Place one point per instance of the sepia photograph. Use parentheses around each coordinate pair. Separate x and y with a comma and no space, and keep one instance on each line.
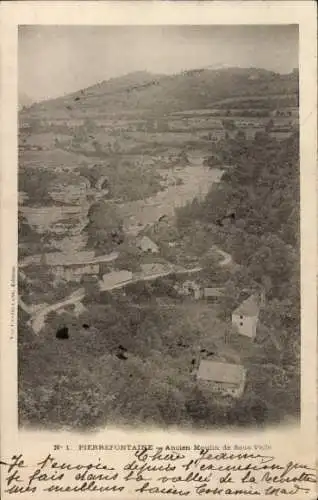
(158,227)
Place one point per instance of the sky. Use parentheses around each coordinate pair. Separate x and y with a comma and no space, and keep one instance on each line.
(57,60)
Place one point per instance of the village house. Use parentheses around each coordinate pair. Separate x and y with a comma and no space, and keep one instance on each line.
(152,268)
(71,267)
(146,245)
(76,271)
(245,316)
(292,111)
(115,279)
(222,378)
(190,288)
(213,294)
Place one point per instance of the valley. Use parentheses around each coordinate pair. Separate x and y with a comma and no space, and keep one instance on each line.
(150,208)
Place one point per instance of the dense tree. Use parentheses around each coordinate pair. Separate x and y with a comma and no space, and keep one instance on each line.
(105,226)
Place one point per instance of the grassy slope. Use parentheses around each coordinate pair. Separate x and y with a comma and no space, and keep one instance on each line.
(189,90)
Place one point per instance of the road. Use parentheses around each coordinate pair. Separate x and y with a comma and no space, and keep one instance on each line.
(227,258)
(37,320)
(38,315)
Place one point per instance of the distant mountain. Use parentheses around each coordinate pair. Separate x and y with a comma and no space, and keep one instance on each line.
(144,92)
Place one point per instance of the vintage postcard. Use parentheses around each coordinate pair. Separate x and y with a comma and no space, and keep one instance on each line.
(158,266)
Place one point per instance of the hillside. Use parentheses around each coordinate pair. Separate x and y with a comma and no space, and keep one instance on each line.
(218,175)
(143,92)
(161,332)
(254,215)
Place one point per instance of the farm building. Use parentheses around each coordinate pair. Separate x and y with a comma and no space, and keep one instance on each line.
(76,271)
(115,279)
(152,268)
(213,294)
(292,111)
(245,316)
(71,267)
(191,288)
(147,245)
(223,378)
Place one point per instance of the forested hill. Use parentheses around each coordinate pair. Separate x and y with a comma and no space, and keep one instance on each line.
(254,214)
(201,88)
(254,211)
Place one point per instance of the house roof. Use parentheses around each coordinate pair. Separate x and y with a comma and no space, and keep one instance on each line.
(153,267)
(249,307)
(145,241)
(118,275)
(115,279)
(213,292)
(221,372)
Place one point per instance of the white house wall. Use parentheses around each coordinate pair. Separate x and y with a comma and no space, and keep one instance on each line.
(246,325)
(225,389)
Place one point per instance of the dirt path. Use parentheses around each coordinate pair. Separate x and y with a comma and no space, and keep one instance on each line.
(38,315)
(37,320)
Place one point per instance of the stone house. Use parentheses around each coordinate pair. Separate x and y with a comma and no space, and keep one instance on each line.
(213,294)
(71,267)
(76,271)
(222,378)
